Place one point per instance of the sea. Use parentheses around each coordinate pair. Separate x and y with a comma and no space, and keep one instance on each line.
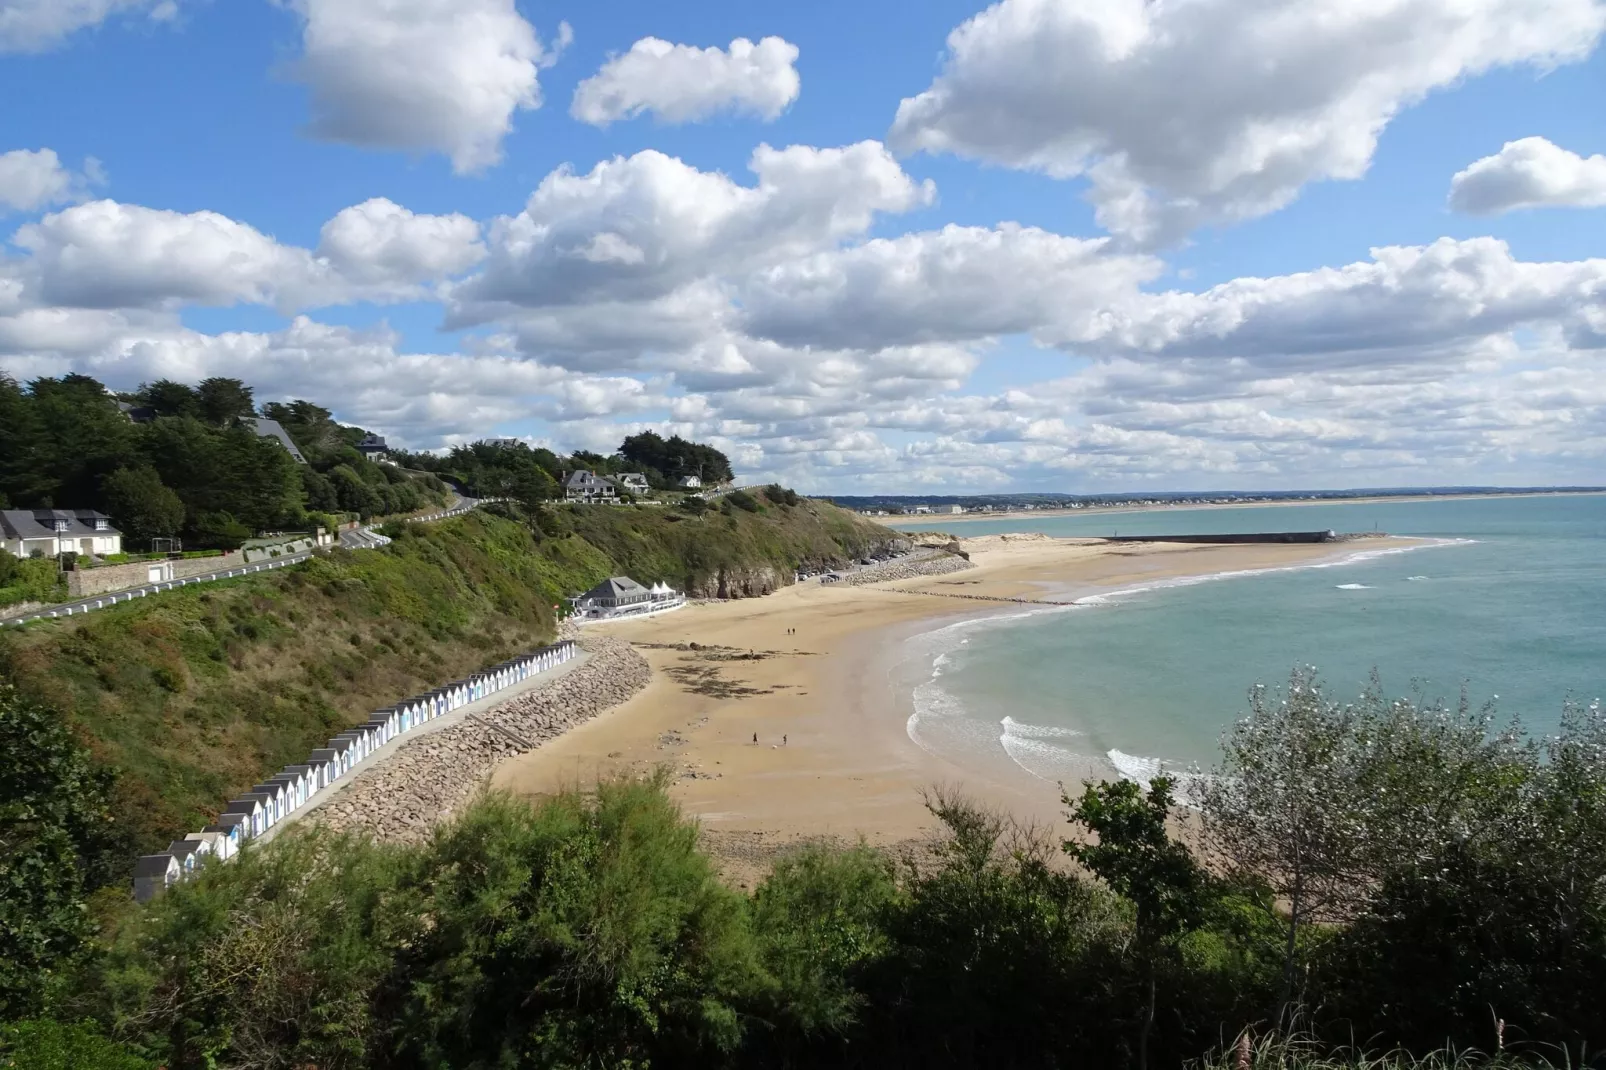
(1503,600)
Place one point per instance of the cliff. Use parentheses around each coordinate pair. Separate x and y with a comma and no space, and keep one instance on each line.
(192,696)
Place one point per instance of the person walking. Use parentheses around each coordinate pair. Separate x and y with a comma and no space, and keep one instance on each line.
(755,739)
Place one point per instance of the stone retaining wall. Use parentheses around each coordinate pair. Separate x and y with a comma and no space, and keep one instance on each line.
(88,582)
(432,777)
(939,564)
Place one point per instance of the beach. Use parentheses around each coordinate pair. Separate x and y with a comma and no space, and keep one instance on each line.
(820,675)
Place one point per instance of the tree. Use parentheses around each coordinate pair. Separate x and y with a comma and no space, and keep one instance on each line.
(168,398)
(1286,807)
(1140,862)
(223,400)
(82,437)
(141,506)
(54,846)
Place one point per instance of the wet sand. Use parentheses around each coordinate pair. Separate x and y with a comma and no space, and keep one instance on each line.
(817,673)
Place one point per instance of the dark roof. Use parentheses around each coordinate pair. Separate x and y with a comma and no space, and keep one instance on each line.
(583,477)
(372,443)
(154,865)
(41,523)
(266,428)
(616,587)
(139,414)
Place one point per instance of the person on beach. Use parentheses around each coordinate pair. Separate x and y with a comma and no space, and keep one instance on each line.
(755,739)
(783,740)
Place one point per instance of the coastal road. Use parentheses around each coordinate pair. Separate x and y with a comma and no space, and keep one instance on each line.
(362,538)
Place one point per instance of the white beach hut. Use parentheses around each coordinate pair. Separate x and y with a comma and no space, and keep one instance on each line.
(153,874)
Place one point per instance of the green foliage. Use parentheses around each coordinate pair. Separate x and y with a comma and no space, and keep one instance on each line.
(33,579)
(43,1044)
(743,500)
(779,495)
(141,507)
(54,825)
(666,461)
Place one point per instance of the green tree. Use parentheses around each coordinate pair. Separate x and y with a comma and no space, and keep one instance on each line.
(167,398)
(141,506)
(54,842)
(24,481)
(82,437)
(1137,858)
(43,1044)
(222,401)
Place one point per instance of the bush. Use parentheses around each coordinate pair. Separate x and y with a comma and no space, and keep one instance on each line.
(34,579)
(42,1044)
(743,500)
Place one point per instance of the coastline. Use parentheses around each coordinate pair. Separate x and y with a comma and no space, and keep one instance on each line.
(839,692)
(898,524)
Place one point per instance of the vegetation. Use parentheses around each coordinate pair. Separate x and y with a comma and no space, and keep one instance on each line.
(191,468)
(591,930)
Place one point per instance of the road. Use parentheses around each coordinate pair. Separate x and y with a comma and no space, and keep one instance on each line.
(361,538)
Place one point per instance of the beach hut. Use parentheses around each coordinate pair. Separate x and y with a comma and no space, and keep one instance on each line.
(343,748)
(216,843)
(230,835)
(153,874)
(251,808)
(325,763)
(277,798)
(191,854)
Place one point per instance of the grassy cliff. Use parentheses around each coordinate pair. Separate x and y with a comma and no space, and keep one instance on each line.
(194,695)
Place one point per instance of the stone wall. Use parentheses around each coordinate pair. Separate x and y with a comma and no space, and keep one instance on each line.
(86,582)
(909,568)
(430,778)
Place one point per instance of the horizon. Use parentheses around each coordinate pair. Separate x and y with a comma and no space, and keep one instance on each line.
(850,246)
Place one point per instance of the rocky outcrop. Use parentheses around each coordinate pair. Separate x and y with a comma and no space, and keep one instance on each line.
(430,778)
(739,583)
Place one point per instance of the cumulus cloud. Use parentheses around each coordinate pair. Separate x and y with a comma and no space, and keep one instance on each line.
(31,179)
(683,83)
(1530,173)
(380,243)
(1213,111)
(37,25)
(420,75)
(109,255)
(637,228)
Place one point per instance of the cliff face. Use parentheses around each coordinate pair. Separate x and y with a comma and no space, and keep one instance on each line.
(739,582)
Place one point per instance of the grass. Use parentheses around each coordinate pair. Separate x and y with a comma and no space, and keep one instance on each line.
(1276,1052)
(195,694)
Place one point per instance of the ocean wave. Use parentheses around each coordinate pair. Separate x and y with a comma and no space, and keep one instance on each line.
(1353,587)
(1187,783)
(1022,730)
(1415,579)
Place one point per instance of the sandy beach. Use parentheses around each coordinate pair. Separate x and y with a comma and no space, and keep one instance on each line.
(816,673)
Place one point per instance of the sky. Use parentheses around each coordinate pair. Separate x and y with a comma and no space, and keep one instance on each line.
(1049,245)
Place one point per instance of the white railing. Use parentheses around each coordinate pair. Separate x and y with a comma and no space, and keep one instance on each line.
(282,796)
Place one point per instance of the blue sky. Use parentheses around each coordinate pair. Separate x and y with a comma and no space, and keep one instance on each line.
(1073,246)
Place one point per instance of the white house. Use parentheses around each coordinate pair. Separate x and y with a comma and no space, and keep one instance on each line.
(690,482)
(373,447)
(634,483)
(583,485)
(621,596)
(153,874)
(48,532)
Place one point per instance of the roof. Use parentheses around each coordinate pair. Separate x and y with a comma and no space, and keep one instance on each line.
(266,428)
(40,523)
(154,865)
(616,587)
(372,443)
(583,477)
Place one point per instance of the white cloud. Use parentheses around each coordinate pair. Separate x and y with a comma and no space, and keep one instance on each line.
(1530,173)
(420,75)
(638,228)
(108,255)
(1213,111)
(683,84)
(379,243)
(31,179)
(36,25)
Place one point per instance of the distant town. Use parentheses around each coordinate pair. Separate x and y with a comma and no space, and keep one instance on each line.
(955,505)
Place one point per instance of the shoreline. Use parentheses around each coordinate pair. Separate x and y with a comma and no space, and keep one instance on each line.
(898,524)
(825,674)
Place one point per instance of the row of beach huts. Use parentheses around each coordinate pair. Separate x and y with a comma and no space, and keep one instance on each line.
(280,796)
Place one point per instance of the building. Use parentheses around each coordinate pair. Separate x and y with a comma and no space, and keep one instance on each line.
(690,482)
(373,447)
(137,414)
(633,483)
(153,874)
(48,532)
(621,596)
(266,428)
(953,509)
(583,485)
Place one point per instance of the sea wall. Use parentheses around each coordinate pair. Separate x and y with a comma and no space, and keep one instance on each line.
(1235,539)
(432,777)
(910,568)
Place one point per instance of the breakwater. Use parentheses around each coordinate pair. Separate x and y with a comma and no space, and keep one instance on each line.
(1239,539)
(282,796)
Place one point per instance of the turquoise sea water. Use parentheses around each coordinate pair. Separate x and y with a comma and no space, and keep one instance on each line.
(1509,600)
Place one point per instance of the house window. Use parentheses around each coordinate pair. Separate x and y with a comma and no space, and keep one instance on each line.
(61,525)
(100,525)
